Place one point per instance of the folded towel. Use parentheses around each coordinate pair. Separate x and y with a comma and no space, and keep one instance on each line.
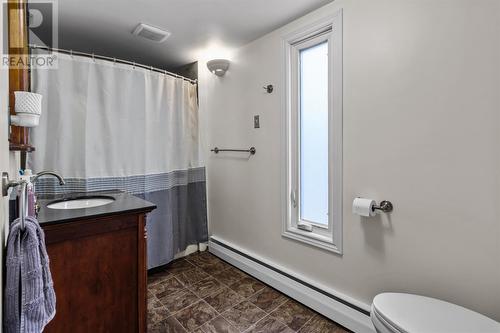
(29,298)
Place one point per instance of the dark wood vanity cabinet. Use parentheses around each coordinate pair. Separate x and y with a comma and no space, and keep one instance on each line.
(100,274)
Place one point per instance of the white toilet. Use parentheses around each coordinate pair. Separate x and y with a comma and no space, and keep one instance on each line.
(407,313)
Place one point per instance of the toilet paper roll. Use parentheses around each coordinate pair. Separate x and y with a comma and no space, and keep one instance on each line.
(363,207)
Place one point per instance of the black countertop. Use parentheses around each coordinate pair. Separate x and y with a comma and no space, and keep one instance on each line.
(123,203)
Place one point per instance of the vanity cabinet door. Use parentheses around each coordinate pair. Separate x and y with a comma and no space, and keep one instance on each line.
(99,271)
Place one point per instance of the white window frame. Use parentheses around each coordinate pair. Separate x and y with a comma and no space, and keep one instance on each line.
(330,237)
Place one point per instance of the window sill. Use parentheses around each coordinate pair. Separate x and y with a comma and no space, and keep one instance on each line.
(310,238)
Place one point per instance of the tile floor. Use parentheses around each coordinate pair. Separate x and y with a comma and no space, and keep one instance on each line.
(203,294)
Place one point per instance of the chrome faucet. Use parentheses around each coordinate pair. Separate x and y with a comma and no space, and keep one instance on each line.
(41,174)
(48,173)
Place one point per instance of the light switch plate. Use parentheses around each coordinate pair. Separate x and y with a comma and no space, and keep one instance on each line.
(256,121)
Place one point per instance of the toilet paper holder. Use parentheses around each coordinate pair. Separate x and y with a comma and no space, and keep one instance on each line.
(385,206)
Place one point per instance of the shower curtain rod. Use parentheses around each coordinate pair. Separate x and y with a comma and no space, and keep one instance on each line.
(116,60)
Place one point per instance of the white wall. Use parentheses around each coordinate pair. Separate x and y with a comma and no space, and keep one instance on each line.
(9,161)
(4,146)
(421,128)
(4,163)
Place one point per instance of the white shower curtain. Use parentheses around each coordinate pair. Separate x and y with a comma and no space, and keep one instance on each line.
(106,125)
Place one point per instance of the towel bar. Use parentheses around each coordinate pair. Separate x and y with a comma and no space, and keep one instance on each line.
(252,150)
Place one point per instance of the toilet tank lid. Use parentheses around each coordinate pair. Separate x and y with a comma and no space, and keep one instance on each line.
(414,313)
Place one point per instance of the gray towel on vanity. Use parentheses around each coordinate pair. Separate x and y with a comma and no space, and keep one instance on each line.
(29,297)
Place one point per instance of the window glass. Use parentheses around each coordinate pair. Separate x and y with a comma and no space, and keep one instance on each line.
(314,134)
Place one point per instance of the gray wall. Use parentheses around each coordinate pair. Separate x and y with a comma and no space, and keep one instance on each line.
(421,128)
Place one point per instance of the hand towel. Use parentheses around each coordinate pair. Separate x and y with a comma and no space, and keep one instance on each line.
(29,301)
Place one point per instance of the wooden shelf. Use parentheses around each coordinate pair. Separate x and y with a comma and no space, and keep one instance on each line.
(21,147)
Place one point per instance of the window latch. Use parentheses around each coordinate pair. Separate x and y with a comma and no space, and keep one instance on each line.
(305,226)
(293,199)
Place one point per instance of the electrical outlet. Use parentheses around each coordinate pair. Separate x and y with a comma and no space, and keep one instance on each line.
(256,121)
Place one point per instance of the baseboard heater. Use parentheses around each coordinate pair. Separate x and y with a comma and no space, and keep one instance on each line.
(349,313)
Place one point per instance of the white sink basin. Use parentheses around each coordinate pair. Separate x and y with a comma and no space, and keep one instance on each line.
(80,203)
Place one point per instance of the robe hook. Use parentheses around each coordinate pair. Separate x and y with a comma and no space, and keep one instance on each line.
(269,88)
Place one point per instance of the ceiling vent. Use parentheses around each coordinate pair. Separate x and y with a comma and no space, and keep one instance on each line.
(152,33)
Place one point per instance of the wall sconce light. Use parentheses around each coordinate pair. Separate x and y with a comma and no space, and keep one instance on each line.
(218,66)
